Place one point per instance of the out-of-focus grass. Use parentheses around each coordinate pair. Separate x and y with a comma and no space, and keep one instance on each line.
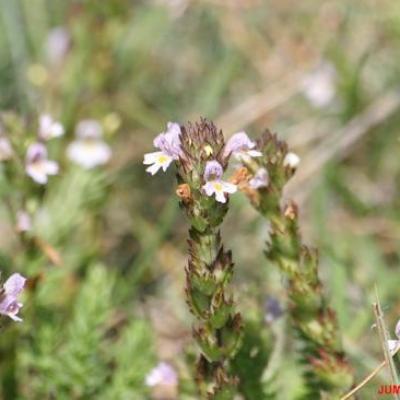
(135,65)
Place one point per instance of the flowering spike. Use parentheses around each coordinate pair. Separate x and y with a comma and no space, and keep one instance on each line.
(327,371)
(197,150)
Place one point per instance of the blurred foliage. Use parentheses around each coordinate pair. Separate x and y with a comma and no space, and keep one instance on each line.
(93,325)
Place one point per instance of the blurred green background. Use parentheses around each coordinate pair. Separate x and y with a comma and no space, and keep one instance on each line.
(323,75)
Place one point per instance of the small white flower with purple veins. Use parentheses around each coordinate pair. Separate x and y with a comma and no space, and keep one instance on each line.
(89,150)
(240,145)
(214,184)
(9,304)
(291,160)
(260,179)
(169,143)
(6,151)
(37,166)
(163,374)
(48,128)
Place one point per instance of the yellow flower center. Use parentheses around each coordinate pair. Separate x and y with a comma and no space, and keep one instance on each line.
(217,186)
(162,159)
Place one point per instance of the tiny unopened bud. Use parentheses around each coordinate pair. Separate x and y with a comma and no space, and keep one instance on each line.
(291,160)
(183,192)
(240,176)
(291,211)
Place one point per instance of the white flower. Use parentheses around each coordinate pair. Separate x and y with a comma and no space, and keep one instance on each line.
(291,160)
(319,85)
(37,166)
(89,150)
(169,143)
(260,179)
(156,161)
(241,147)
(6,151)
(11,290)
(214,184)
(48,128)
(219,188)
(163,374)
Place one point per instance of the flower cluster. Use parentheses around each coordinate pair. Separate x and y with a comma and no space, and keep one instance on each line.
(88,150)
(9,293)
(239,146)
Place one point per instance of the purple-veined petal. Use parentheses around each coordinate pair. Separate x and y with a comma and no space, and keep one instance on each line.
(36,152)
(238,142)
(213,170)
(14,284)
